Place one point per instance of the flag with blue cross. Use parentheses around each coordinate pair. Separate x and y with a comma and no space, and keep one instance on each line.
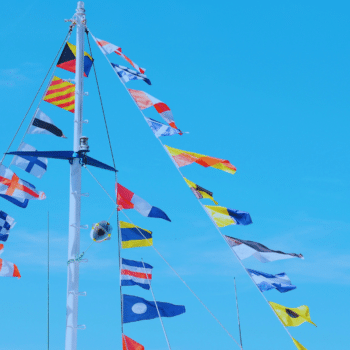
(36,166)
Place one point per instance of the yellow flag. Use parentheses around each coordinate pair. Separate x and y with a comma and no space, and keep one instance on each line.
(298,345)
(199,191)
(292,317)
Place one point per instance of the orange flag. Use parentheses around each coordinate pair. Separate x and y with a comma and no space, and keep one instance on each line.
(129,344)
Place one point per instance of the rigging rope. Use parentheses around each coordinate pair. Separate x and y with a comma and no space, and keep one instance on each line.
(162,257)
(99,93)
(37,93)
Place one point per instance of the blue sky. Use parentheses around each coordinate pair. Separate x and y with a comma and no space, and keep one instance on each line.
(264,85)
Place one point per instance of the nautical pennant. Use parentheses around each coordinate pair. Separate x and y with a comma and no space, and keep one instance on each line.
(108,48)
(61,94)
(42,124)
(12,185)
(266,281)
(36,166)
(67,60)
(6,223)
(127,74)
(129,200)
(135,273)
(145,100)
(225,216)
(245,249)
(8,269)
(134,236)
(199,191)
(292,317)
(1,248)
(160,129)
(298,345)
(183,158)
(129,344)
(139,309)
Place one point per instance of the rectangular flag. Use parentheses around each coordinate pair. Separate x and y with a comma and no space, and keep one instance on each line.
(199,191)
(225,216)
(293,316)
(134,236)
(129,344)
(139,309)
(183,158)
(129,200)
(266,281)
(160,129)
(6,223)
(245,249)
(136,273)
(145,100)
(8,269)
(42,124)
(61,94)
(108,48)
(67,60)
(127,74)
(12,185)
(36,166)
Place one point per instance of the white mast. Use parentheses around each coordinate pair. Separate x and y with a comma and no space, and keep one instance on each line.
(75,189)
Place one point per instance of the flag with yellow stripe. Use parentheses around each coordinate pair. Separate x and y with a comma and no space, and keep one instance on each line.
(61,94)
(134,236)
(199,191)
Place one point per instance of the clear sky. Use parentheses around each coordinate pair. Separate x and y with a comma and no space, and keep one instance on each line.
(262,84)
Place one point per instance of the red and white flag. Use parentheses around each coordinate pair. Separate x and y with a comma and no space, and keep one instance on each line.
(108,48)
(8,269)
(11,185)
(1,248)
(129,344)
(145,100)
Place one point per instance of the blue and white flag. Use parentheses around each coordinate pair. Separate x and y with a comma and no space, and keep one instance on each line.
(36,166)
(6,223)
(127,74)
(139,309)
(265,281)
(160,129)
(135,273)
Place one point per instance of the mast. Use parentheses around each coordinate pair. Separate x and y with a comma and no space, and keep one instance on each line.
(75,189)
(239,323)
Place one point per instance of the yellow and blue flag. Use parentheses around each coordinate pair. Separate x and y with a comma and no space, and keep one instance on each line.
(292,317)
(225,216)
(134,236)
(68,59)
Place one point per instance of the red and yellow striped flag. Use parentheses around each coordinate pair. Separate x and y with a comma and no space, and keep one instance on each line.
(183,158)
(61,94)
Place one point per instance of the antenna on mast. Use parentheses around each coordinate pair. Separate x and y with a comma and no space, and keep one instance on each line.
(239,323)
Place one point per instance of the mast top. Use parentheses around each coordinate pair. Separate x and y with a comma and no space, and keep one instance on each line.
(80,7)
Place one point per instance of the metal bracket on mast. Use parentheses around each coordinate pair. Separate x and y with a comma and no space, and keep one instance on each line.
(84,227)
(80,294)
(81,327)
